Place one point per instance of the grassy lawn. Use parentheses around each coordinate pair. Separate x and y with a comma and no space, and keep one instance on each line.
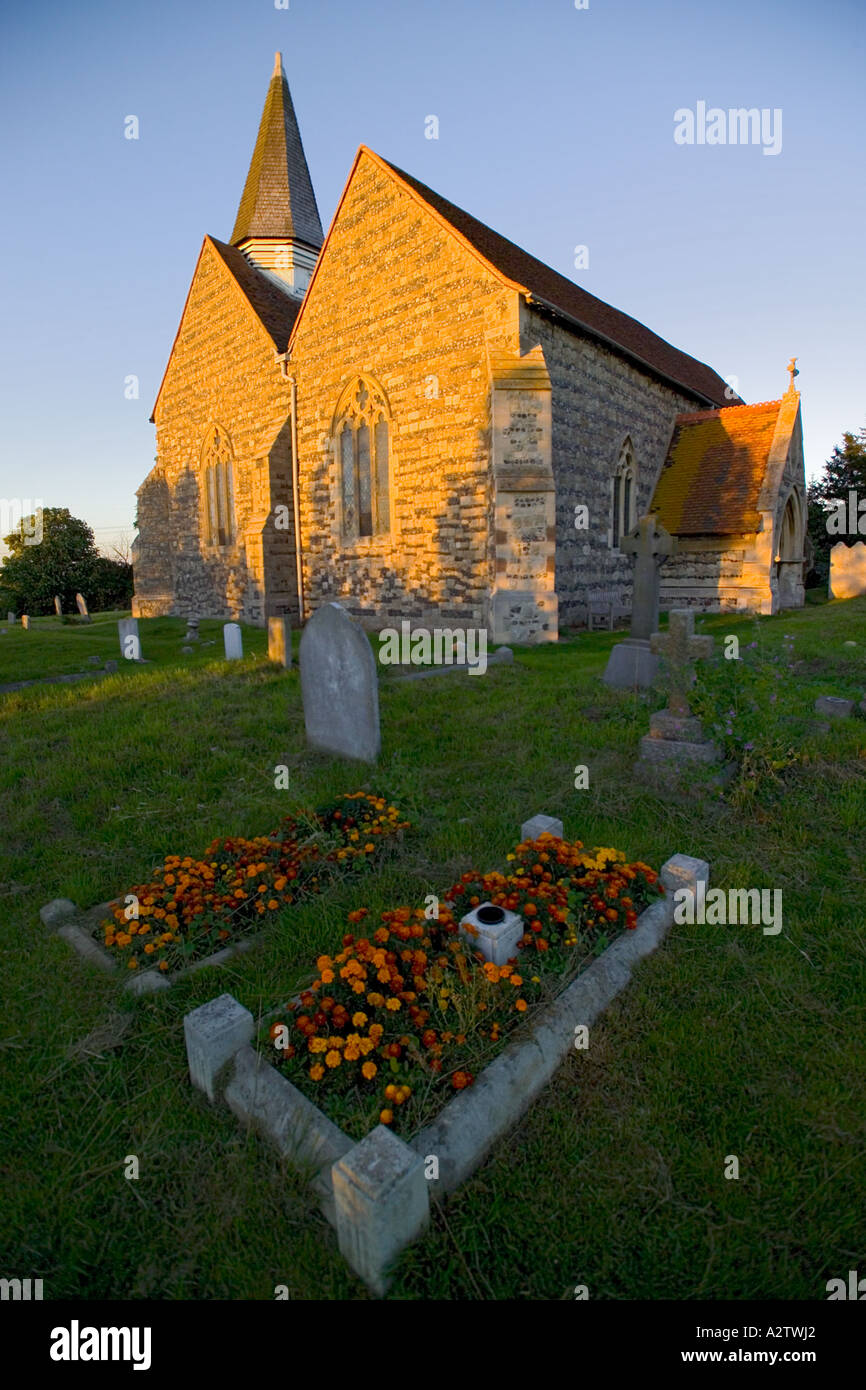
(727,1041)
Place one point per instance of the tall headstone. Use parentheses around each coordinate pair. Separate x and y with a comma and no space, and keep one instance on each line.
(82,607)
(676,738)
(130,645)
(847,570)
(280,641)
(58,606)
(339,686)
(234,642)
(633,662)
(25,621)
(523,604)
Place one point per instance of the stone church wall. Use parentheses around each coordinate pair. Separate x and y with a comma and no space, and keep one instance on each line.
(599,399)
(222,370)
(398,299)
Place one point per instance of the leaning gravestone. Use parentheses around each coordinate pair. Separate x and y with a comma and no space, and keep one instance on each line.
(130,644)
(280,641)
(676,738)
(234,642)
(58,606)
(339,686)
(633,662)
(82,607)
(25,621)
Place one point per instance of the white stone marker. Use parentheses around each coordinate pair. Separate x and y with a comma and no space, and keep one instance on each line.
(234,642)
(339,686)
(25,621)
(541,825)
(130,645)
(82,606)
(214,1033)
(280,641)
(382,1203)
(494,932)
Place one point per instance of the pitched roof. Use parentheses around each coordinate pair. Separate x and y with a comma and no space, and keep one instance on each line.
(554,291)
(278,198)
(276,308)
(716,463)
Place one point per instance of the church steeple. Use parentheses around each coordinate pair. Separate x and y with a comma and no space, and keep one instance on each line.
(278,226)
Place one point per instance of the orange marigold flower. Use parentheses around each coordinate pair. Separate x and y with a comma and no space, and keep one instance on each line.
(359,1019)
(386,1116)
(133,964)
(327,977)
(163,965)
(332,1058)
(393,1005)
(368,1070)
(317,1071)
(520,1005)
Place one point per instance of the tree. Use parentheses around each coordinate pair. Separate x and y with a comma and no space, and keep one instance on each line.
(64,562)
(844,472)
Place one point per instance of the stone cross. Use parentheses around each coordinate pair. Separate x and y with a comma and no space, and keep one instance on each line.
(82,606)
(650,544)
(339,685)
(681,648)
(58,606)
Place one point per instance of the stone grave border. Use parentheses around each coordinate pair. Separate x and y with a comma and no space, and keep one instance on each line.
(79,929)
(375,1192)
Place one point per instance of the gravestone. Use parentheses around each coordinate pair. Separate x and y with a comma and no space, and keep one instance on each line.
(676,737)
(25,621)
(234,642)
(130,645)
(339,686)
(847,570)
(82,607)
(280,641)
(58,606)
(191,634)
(634,662)
(10,616)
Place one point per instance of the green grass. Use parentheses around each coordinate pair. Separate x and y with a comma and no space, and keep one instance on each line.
(726,1042)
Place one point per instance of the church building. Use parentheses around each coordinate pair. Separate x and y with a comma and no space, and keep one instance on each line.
(416,418)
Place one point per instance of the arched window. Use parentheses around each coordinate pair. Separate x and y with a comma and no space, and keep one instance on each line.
(362,433)
(217,487)
(624,498)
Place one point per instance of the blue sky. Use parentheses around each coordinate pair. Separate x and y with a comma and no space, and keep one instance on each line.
(555,127)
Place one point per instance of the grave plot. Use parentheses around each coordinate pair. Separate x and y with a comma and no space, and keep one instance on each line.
(415,1048)
(198,912)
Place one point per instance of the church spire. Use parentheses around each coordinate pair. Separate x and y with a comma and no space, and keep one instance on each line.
(278,226)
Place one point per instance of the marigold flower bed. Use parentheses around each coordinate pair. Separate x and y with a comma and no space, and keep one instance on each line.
(193,907)
(400,1019)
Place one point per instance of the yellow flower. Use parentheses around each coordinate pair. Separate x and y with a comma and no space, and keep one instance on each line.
(393,1005)
(317,1072)
(359,1019)
(318,1044)
(327,976)
(368,1070)
(332,1059)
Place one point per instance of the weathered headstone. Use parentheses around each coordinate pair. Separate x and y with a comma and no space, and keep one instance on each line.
(58,606)
(676,737)
(847,570)
(280,641)
(633,662)
(25,621)
(339,686)
(234,642)
(10,616)
(82,607)
(191,634)
(130,644)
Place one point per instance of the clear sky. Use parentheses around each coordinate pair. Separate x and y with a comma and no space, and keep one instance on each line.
(556,127)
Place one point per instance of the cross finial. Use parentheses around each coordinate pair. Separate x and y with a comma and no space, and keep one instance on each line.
(278,65)
(792,368)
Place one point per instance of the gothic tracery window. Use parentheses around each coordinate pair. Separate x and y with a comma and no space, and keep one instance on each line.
(217,487)
(624,499)
(362,435)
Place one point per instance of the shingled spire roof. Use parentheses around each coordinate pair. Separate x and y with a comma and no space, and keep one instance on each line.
(278,198)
